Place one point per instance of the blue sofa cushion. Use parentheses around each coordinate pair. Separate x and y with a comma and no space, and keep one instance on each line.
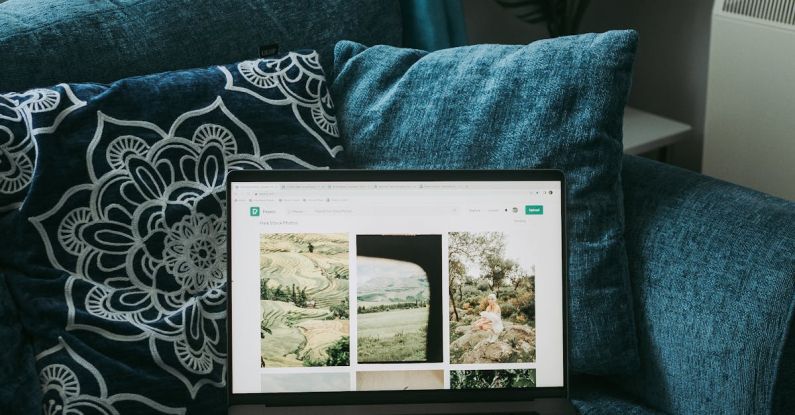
(593,395)
(119,262)
(551,104)
(712,267)
(44,42)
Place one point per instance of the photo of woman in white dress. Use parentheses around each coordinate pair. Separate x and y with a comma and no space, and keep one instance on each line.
(491,298)
(491,318)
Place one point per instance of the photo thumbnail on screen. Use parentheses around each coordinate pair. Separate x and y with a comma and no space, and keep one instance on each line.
(304,300)
(491,299)
(399,298)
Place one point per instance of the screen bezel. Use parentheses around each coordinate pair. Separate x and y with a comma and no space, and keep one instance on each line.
(402,396)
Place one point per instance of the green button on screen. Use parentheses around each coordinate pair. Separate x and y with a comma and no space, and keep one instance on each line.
(533,210)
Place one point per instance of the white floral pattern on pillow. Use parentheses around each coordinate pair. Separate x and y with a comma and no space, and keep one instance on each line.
(143,240)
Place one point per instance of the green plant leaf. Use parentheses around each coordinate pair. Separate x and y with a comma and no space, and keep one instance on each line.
(563,17)
(528,11)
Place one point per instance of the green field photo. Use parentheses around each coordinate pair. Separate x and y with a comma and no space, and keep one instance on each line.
(393,336)
(392,311)
(304,300)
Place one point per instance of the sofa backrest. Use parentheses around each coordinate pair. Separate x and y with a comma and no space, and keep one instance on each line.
(45,42)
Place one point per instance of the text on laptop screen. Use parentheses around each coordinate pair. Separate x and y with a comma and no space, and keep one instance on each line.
(352,286)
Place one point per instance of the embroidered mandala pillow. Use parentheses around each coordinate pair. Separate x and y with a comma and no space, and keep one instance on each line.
(114,197)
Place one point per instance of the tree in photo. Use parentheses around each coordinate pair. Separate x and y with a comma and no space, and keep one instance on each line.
(492,299)
(469,248)
(393,311)
(492,379)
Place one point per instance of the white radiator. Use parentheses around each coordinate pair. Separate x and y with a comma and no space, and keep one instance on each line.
(749,135)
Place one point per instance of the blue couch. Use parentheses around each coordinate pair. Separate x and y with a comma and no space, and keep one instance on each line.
(712,264)
(712,267)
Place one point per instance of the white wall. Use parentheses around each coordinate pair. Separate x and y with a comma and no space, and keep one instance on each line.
(671,66)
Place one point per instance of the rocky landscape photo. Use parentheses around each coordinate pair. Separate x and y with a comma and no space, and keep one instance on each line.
(304,300)
(484,265)
(516,344)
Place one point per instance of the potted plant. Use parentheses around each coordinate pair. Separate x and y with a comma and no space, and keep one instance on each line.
(562,17)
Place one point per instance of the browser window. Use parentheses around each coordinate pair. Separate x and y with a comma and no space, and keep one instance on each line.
(353,286)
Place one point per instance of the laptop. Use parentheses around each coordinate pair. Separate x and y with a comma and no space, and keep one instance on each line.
(397,292)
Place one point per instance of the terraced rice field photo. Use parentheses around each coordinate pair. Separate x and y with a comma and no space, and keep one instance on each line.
(304,300)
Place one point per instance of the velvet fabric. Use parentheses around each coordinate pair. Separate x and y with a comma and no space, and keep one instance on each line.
(689,247)
(117,273)
(45,42)
(593,395)
(19,384)
(551,104)
(713,274)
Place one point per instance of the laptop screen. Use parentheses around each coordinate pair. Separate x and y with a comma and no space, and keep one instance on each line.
(395,285)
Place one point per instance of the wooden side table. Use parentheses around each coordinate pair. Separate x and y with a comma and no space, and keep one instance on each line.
(644,132)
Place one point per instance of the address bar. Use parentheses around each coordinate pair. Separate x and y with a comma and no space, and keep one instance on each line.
(393,210)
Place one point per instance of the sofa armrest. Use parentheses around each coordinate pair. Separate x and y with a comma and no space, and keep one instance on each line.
(712,267)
